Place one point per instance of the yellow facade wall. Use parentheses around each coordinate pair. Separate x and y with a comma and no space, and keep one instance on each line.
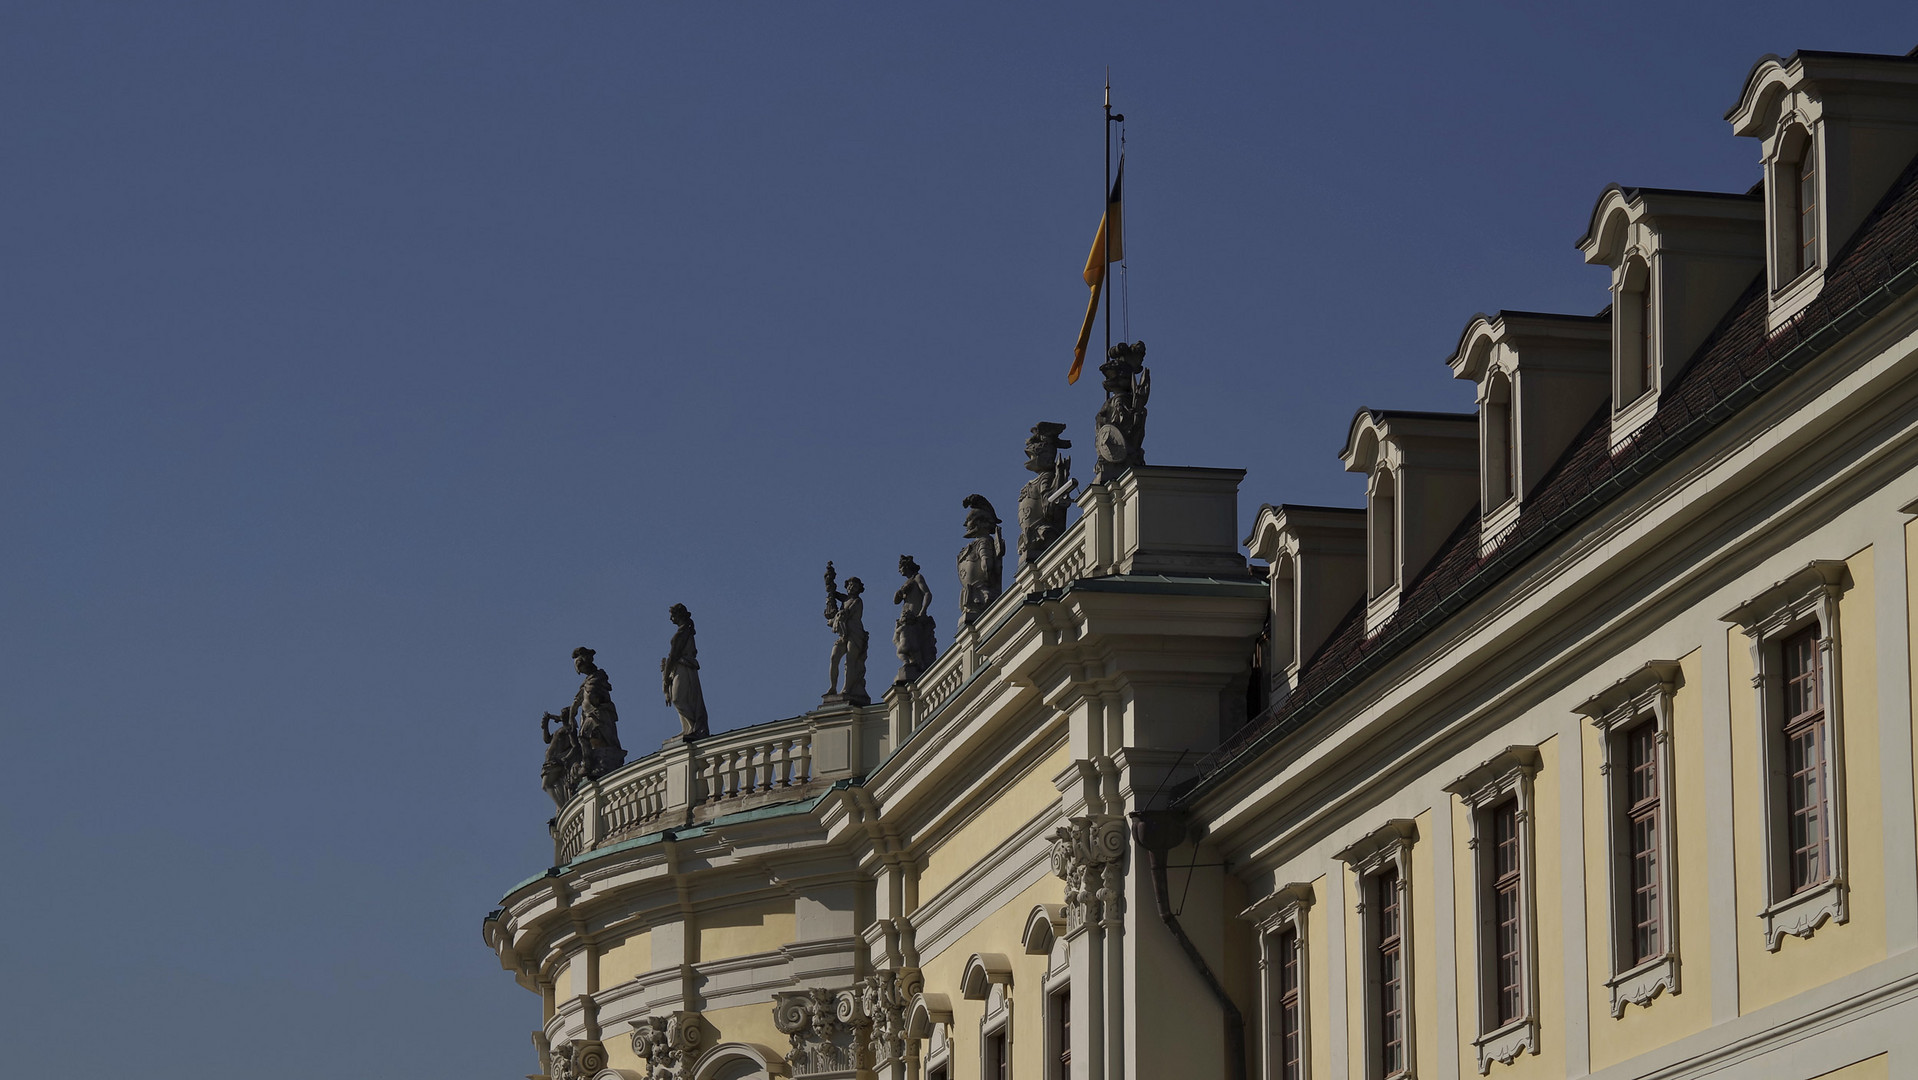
(1669,1017)
(1765,977)
(1872,1068)
(1021,800)
(1318,978)
(1549,901)
(1354,961)
(1911,637)
(630,958)
(745,929)
(999,932)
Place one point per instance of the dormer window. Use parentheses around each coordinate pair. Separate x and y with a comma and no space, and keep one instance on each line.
(1679,261)
(1421,479)
(1501,442)
(1637,352)
(1382,514)
(1806,192)
(1834,132)
(1540,379)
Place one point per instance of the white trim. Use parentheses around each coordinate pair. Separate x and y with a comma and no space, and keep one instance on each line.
(1281,912)
(1388,847)
(1806,598)
(1506,777)
(1647,692)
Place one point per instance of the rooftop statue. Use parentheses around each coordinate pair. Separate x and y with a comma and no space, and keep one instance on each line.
(591,721)
(679,674)
(914,637)
(1120,425)
(845,613)
(982,561)
(1044,498)
(559,774)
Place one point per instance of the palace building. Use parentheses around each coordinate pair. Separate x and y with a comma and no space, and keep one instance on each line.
(1583,748)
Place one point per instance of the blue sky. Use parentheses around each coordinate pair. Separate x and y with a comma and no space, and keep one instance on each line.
(357,361)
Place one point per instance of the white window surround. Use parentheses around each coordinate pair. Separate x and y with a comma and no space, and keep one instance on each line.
(1806,598)
(1055,982)
(1647,692)
(1285,909)
(1388,847)
(1791,287)
(1507,776)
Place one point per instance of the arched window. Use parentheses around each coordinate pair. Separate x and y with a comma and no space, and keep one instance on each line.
(1501,442)
(1636,323)
(1384,520)
(1807,207)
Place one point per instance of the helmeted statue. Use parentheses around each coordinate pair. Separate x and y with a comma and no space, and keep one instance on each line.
(914,637)
(1120,425)
(679,675)
(845,613)
(1044,498)
(982,561)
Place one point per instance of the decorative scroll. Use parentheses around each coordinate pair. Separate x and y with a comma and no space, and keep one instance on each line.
(1089,854)
(669,1043)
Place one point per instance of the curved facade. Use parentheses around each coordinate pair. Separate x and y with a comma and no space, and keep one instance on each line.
(1585,747)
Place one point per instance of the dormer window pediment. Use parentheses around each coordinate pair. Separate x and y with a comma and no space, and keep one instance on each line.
(1834,131)
(1679,261)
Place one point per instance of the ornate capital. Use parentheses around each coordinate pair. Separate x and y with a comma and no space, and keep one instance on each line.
(669,1043)
(1088,853)
(828,1029)
(576,1059)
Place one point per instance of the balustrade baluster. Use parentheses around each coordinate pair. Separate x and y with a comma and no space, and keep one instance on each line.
(804,772)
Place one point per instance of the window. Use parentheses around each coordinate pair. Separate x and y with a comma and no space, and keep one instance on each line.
(1380,863)
(1805,190)
(1804,715)
(1384,522)
(1793,631)
(1281,921)
(1633,718)
(1499,796)
(1501,442)
(1062,1034)
(1642,802)
(1507,919)
(993,1063)
(1389,1003)
(1634,328)
(1290,1029)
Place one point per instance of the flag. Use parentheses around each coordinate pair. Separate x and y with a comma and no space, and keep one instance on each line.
(1108,246)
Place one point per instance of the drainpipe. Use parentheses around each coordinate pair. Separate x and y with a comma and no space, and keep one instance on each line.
(1158,832)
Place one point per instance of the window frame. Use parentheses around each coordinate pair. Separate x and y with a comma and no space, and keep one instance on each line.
(1506,780)
(1645,696)
(1386,850)
(1807,599)
(1278,916)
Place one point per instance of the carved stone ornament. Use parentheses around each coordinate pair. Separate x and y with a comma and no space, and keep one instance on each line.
(1044,498)
(1119,428)
(914,637)
(885,1000)
(1506,1044)
(845,613)
(1089,854)
(669,1043)
(982,561)
(576,1059)
(827,1029)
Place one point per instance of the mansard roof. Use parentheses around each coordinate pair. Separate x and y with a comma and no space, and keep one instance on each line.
(1731,370)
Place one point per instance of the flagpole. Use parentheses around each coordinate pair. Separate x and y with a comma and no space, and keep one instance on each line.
(1105,209)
